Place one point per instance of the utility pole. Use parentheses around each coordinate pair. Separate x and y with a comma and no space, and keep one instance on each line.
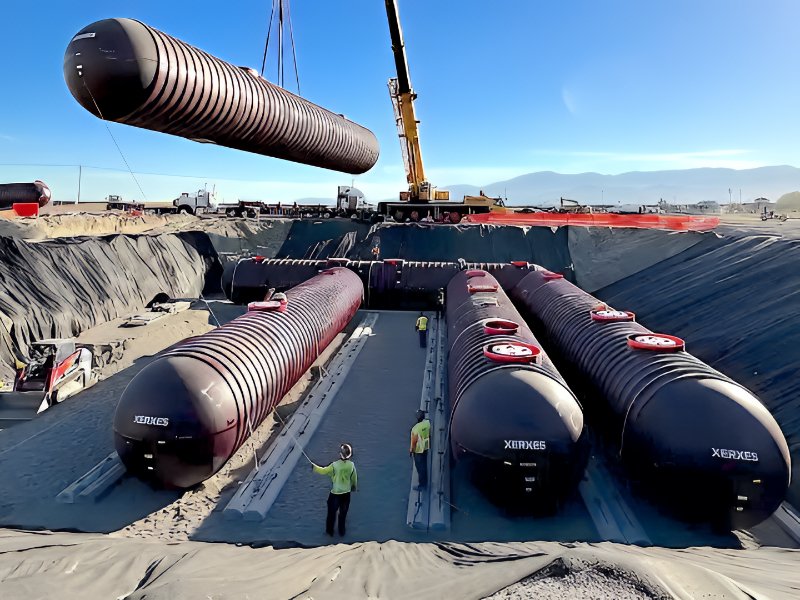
(80,175)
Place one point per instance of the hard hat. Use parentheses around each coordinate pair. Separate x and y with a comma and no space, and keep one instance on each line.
(345,451)
(280,297)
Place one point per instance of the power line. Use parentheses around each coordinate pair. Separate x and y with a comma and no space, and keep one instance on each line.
(117,169)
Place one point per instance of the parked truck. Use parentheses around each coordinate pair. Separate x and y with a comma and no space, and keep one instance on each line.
(115,202)
(242,208)
(191,204)
(350,202)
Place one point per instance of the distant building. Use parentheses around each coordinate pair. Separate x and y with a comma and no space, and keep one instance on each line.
(758,206)
(704,207)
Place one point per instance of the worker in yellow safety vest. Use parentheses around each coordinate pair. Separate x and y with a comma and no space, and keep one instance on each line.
(422,327)
(344,480)
(420,444)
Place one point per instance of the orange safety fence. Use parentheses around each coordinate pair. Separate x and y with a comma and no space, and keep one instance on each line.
(639,221)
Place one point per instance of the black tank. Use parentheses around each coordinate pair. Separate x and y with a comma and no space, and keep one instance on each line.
(513,418)
(392,283)
(125,71)
(704,443)
(34,192)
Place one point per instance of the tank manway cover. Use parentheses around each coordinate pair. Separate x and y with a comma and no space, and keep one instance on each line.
(511,352)
(656,341)
(267,305)
(476,273)
(485,287)
(611,315)
(549,275)
(500,327)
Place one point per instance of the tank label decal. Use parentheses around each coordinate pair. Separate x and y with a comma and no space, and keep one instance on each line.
(143,420)
(525,445)
(83,36)
(734,454)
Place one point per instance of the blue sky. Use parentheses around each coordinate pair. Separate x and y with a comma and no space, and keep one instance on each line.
(505,88)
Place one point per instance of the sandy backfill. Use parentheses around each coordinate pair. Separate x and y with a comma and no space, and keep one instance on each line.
(149,556)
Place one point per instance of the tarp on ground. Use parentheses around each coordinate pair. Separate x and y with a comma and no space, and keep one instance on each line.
(58,288)
(473,243)
(306,235)
(604,255)
(70,565)
(736,303)
(593,257)
(263,237)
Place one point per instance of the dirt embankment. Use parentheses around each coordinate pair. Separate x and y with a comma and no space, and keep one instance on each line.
(59,288)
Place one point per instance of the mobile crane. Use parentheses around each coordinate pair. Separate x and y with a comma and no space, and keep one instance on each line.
(422,200)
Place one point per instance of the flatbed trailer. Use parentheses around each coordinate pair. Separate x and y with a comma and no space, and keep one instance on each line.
(125,205)
(436,212)
(253,208)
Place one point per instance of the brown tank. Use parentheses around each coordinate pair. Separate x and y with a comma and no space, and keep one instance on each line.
(125,71)
(185,414)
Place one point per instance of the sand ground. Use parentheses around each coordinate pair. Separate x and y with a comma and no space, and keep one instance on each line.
(148,554)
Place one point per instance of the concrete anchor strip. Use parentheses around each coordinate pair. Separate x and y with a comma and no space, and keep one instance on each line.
(429,508)
(789,520)
(612,517)
(260,489)
(440,446)
(95,482)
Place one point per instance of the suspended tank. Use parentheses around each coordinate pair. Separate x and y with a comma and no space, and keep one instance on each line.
(12,193)
(125,71)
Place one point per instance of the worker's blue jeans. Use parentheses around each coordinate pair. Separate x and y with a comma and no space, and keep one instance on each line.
(423,338)
(421,464)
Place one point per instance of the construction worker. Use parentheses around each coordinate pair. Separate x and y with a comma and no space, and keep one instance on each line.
(420,444)
(344,480)
(422,327)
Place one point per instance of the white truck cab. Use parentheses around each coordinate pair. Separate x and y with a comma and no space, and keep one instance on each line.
(202,201)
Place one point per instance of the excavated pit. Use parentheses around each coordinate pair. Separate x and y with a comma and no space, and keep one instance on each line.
(732,294)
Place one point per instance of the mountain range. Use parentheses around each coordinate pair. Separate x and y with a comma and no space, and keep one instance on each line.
(687,186)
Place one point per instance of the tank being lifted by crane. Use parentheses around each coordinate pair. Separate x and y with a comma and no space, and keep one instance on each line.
(422,198)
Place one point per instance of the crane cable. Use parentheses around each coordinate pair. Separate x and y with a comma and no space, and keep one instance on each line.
(279,4)
(113,139)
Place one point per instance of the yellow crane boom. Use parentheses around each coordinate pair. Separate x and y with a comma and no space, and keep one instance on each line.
(403,96)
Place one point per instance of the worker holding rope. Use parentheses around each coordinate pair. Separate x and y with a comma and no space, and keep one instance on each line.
(344,480)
